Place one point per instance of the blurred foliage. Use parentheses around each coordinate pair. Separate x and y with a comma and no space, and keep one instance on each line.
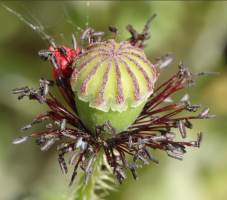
(196,32)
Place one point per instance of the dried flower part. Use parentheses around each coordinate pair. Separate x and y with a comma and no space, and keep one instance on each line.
(116,81)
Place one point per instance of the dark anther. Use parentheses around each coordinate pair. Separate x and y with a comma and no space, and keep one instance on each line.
(45,54)
(48,144)
(63,166)
(20,90)
(63,51)
(113,29)
(72,179)
(53,44)
(132,31)
(74,43)
(200,138)
(204,113)
(73,157)
(20,96)
(182,129)
(44,81)
(19,140)
(26,127)
(147,26)
(110,127)
(208,73)
(97,34)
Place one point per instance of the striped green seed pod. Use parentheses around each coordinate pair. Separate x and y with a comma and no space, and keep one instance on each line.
(111,82)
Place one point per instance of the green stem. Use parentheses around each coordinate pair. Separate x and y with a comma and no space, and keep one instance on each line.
(87,192)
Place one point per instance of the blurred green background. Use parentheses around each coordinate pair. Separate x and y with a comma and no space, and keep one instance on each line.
(196,32)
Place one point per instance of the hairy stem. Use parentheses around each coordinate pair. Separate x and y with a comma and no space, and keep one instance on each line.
(96,180)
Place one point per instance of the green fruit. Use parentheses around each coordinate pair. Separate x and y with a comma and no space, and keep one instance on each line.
(111,82)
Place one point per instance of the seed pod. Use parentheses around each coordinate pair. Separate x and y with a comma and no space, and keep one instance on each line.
(19,140)
(117,81)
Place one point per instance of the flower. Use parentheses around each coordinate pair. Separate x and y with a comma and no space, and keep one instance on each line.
(129,120)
